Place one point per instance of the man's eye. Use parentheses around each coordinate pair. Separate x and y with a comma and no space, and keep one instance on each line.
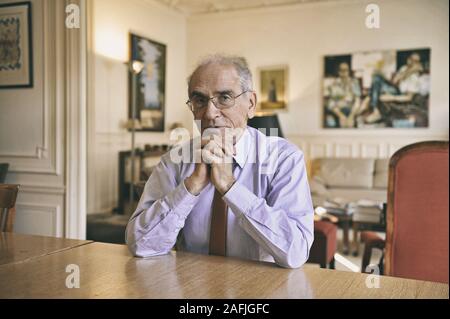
(199,100)
(225,97)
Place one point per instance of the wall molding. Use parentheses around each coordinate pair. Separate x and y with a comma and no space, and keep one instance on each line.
(47,157)
(42,189)
(39,153)
(31,208)
(76,96)
(314,146)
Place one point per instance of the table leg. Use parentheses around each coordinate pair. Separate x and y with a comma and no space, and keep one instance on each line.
(355,239)
(345,229)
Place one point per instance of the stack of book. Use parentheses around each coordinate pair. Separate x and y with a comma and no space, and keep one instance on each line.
(336,206)
(367,211)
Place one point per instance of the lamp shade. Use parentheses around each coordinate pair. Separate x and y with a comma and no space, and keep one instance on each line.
(136,66)
(266,122)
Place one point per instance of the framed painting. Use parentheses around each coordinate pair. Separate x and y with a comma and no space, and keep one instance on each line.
(273,86)
(150,85)
(377,89)
(16,47)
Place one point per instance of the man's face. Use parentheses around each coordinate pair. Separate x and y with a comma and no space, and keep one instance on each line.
(413,59)
(214,79)
(344,71)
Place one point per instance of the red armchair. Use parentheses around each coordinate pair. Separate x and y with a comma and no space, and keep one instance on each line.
(417,213)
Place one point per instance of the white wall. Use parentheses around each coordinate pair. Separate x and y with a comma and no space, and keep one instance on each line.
(36,124)
(111,22)
(300,35)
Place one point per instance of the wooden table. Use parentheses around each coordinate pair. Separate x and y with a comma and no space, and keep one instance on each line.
(15,248)
(109,271)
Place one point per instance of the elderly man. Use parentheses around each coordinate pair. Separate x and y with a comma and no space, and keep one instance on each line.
(247,197)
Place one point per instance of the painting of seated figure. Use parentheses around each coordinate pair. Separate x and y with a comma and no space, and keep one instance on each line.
(377,89)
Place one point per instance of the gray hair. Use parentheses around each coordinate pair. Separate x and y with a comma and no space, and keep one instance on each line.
(239,63)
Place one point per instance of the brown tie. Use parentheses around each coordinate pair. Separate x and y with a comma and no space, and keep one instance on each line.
(218,232)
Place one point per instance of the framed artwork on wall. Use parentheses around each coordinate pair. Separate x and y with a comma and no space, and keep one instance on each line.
(274,87)
(151,83)
(377,89)
(16,46)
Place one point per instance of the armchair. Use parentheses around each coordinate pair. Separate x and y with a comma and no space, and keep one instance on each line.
(417,219)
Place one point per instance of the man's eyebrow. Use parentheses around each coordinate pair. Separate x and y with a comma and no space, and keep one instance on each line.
(199,94)
(224,92)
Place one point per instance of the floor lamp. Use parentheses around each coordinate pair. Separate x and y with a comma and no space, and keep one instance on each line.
(135,67)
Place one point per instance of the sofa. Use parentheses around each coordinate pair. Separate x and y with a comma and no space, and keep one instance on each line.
(360,183)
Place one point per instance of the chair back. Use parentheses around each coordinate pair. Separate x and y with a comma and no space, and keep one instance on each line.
(8,196)
(418,213)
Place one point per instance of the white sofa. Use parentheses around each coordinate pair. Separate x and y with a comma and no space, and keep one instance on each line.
(349,180)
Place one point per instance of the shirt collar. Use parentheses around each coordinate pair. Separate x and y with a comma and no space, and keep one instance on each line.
(242,148)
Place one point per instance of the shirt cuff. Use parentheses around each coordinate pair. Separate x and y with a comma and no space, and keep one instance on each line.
(181,201)
(240,199)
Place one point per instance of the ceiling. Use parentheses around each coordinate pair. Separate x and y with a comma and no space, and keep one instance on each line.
(208,6)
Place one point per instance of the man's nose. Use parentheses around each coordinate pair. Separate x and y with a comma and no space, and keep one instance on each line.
(212,111)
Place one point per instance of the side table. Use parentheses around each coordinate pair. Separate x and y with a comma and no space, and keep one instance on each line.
(344,219)
(360,224)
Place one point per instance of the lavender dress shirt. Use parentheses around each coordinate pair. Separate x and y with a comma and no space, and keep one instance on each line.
(270,214)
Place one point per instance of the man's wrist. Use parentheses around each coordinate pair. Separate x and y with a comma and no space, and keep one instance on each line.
(192,187)
(225,187)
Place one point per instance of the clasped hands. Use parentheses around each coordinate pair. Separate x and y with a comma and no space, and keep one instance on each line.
(216,162)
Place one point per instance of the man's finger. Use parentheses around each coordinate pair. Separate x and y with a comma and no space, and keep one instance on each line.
(214,148)
(226,143)
(229,150)
(209,133)
(205,142)
(210,158)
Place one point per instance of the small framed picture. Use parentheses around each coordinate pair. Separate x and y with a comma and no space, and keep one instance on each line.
(151,83)
(16,56)
(274,87)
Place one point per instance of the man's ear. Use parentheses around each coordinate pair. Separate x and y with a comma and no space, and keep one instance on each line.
(252,106)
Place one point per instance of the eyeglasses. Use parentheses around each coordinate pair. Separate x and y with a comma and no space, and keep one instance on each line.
(221,101)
